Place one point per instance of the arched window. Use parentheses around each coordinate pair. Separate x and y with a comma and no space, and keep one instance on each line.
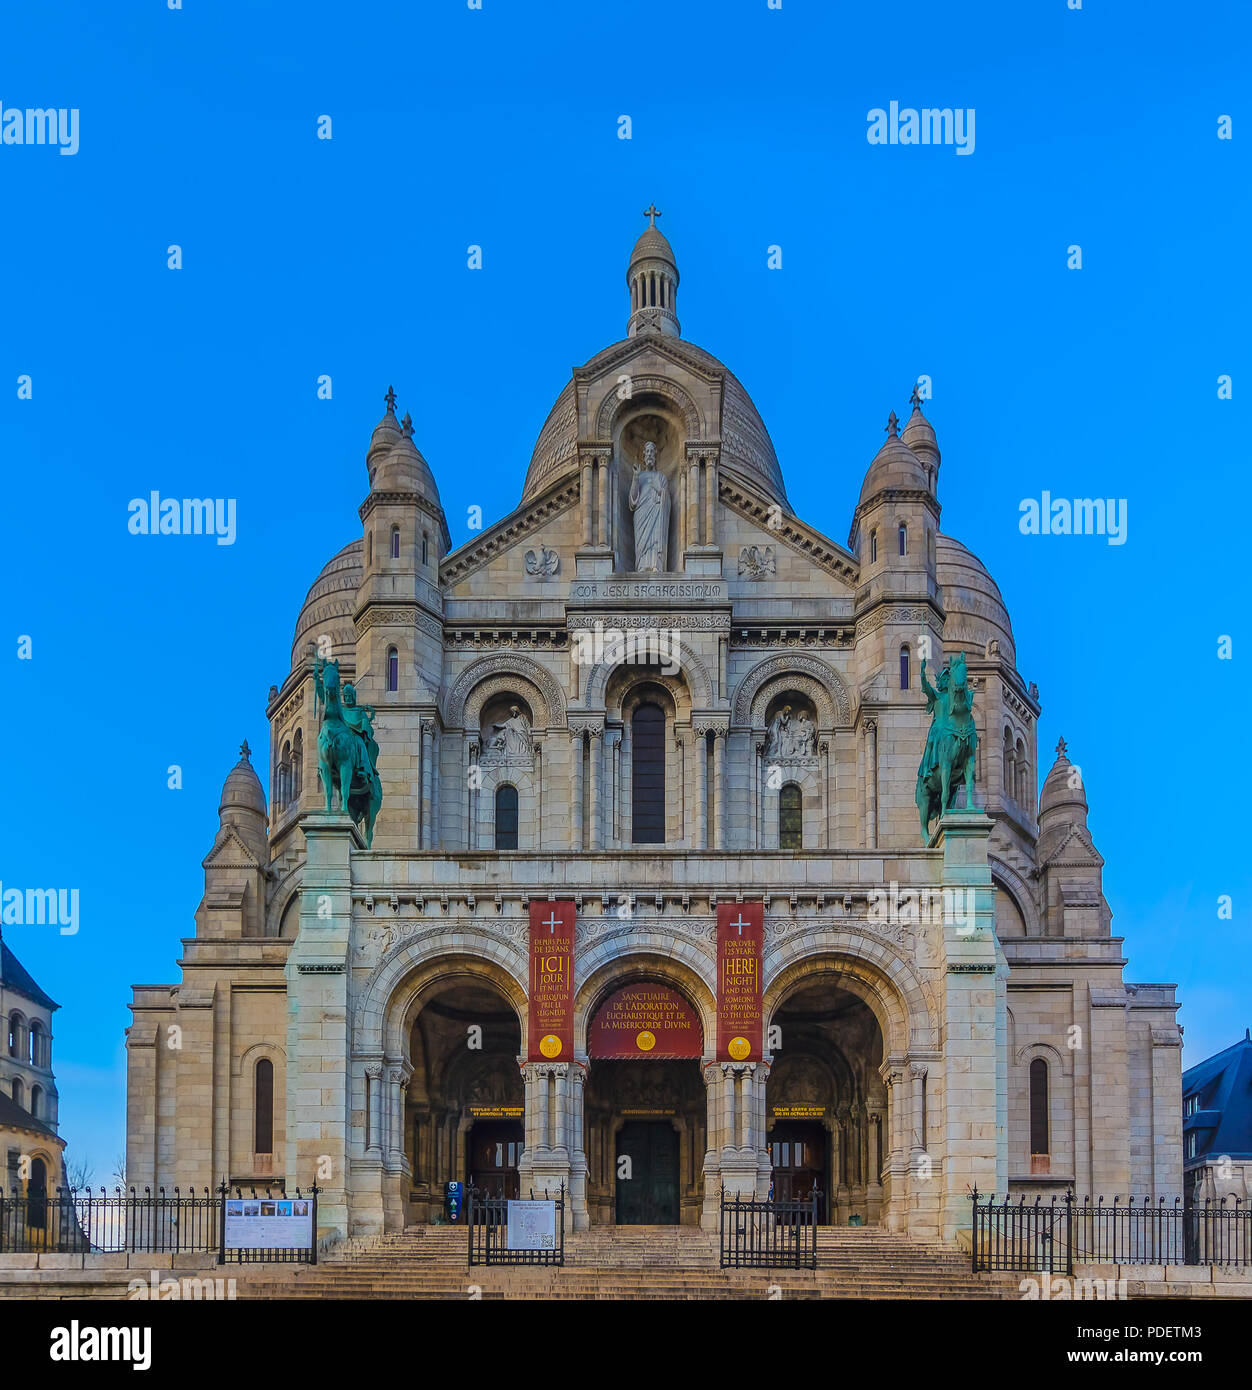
(37,1194)
(19,1092)
(395,542)
(36,1043)
(902,533)
(15,1034)
(873,546)
(904,667)
(284,775)
(1010,771)
(647,778)
(36,1100)
(506,817)
(1038,1106)
(264,1107)
(369,548)
(297,765)
(790,817)
(393,669)
(425,547)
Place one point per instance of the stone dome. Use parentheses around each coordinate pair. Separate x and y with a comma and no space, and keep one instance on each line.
(895,465)
(242,789)
(329,605)
(975,607)
(403,469)
(747,449)
(919,435)
(1059,800)
(652,245)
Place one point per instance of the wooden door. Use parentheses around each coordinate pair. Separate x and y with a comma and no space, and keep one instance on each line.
(649,1195)
(494,1150)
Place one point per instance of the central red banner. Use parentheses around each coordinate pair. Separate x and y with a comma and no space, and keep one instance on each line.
(551,1022)
(645,1020)
(740,935)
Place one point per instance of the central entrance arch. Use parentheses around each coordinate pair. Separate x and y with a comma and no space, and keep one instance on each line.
(645,1107)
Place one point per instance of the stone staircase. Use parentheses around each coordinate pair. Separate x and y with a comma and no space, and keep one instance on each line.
(635,1263)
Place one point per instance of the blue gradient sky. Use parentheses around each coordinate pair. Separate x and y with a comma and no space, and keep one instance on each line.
(499,128)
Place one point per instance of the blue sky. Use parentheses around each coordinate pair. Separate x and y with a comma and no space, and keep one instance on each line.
(499,128)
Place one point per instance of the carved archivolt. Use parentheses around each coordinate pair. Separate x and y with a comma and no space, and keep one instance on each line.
(462,704)
(612,405)
(809,675)
(693,670)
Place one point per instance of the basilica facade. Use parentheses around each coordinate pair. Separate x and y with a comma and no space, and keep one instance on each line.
(649,707)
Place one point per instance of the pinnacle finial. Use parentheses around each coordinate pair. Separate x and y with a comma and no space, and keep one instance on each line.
(652,212)
(244,750)
(1061,748)
(390,398)
(406,425)
(893,426)
(915,400)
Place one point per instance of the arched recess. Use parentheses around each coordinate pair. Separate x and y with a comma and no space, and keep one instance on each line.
(892,992)
(1008,880)
(393,995)
(613,404)
(811,676)
(699,683)
(612,964)
(462,705)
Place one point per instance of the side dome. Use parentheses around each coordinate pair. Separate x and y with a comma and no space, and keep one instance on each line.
(1063,799)
(242,789)
(330,603)
(747,450)
(975,607)
(895,465)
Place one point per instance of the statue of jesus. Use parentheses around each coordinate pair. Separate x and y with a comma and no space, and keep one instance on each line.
(649,500)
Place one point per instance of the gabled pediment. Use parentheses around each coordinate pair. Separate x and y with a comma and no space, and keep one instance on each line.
(1074,851)
(230,852)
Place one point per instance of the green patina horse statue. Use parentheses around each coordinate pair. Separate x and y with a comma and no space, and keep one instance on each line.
(950,745)
(347,755)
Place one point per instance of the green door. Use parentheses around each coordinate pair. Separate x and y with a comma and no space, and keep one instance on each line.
(649,1195)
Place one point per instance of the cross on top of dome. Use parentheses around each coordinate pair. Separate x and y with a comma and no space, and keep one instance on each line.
(652,212)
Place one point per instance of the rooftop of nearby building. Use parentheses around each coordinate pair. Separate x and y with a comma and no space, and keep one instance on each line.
(1221,1091)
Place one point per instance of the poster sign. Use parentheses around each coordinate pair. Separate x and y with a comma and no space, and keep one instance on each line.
(740,933)
(269,1223)
(645,1020)
(531,1226)
(551,1023)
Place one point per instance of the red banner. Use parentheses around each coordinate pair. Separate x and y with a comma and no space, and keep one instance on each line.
(551,1026)
(645,1020)
(740,934)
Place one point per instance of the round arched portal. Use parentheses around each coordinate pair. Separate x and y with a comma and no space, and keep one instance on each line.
(644,1104)
(465,1101)
(826,1105)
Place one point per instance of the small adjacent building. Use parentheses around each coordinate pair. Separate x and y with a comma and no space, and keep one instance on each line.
(1217,1125)
(28,1092)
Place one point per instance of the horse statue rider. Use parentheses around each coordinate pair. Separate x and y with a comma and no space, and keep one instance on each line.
(950,745)
(347,754)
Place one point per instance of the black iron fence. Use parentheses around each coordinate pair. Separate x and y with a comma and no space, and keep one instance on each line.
(770,1233)
(190,1222)
(537,1236)
(1056,1235)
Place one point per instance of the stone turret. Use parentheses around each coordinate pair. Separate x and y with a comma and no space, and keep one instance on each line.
(235,868)
(652,279)
(1070,866)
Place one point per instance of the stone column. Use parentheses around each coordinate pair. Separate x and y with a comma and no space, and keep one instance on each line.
(719,788)
(871,784)
(595,750)
(576,1207)
(603,484)
(373,1085)
(711,1211)
(917,1136)
(538,836)
(680,762)
(710,501)
(824,838)
(702,789)
(576,789)
(585,491)
(693,503)
(428,740)
(471,794)
(758,792)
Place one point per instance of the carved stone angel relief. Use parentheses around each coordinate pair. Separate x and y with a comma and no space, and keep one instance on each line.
(791,734)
